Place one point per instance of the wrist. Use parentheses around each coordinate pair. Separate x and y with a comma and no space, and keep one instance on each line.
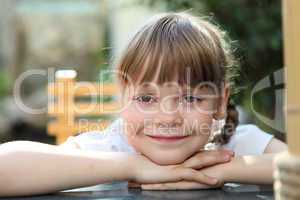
(226,171)
(222,172)
(128,165)
(117,166)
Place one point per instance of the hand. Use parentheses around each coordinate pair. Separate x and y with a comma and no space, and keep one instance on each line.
(181,185)
(198,161)
(145,171)
(208,158)
(214,171)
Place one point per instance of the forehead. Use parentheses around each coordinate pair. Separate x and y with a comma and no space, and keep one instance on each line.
(171,87)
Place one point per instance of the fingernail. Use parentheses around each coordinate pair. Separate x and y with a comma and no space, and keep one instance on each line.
(227,157)
(230,152)
(215,181)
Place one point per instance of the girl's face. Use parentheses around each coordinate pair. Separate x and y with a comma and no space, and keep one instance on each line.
(167,123)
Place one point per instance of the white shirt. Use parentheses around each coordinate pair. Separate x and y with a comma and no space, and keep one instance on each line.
(248,139)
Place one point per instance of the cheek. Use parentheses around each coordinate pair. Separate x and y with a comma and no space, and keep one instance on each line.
(133,122)
(132,112)
(198,122)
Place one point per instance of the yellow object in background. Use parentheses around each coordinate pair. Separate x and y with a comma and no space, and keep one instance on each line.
(287,172)
(66,110)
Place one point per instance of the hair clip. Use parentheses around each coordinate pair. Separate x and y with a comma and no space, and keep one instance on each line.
(217,125)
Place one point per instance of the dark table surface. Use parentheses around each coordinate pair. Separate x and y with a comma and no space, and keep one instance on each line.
(115,192)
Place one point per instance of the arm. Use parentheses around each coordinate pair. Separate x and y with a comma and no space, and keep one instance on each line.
(253,169)
(34,168)
(30,168)
(245,169)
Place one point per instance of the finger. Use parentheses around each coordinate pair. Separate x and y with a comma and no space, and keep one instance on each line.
(134,185)
(230,152)
(188,174)
(183,185)
(207,158)
(159,186)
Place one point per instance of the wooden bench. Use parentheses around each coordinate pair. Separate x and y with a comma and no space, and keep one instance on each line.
(69,111)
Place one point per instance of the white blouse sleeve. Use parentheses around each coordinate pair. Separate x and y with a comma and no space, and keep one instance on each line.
(86,141)
(111,139)
(248,139)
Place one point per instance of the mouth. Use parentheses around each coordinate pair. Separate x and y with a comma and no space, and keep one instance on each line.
(168,138)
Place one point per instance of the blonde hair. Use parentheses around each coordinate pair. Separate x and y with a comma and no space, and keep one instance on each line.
(170,43)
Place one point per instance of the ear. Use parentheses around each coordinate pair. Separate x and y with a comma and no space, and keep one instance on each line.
(223,101)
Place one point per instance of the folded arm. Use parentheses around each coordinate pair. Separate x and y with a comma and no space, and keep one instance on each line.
(30,168)
(251,169)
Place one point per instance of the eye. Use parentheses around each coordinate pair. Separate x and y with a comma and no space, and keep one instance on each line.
(147,99)
(192,99)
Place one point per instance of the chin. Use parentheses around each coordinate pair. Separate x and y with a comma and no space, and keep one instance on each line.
(167,159)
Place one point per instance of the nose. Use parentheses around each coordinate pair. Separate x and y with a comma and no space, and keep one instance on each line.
(168,120)
(169,114)
(169,104)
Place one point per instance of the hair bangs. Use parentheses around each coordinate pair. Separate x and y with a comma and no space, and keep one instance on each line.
(172,50)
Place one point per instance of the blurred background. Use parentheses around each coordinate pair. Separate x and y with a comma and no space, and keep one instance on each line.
(46,35)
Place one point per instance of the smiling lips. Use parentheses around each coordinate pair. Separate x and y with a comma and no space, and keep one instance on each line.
(168,138)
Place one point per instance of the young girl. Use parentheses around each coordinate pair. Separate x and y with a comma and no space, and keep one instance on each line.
(175,77)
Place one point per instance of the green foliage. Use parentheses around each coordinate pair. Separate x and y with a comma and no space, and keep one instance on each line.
(4,83)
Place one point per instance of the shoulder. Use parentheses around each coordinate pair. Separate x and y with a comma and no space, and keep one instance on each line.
(249,139)
(109,139)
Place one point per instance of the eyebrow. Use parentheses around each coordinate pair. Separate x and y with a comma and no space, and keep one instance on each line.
(146,90)
(150,89)
(203,89)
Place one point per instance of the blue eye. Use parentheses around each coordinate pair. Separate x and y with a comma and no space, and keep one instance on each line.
(145,99)
(191,99)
